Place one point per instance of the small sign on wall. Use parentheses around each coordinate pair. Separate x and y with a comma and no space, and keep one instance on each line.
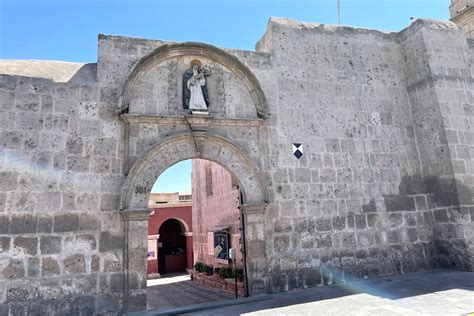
(151,253)
(298,150)
(221,246)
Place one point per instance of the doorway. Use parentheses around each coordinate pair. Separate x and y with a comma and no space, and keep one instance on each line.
(196,248)
(171,248)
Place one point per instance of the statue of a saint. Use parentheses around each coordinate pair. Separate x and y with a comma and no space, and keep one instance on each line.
(195,95)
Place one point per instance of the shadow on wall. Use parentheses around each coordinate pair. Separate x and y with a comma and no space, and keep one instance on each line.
(420,229)
(438,205)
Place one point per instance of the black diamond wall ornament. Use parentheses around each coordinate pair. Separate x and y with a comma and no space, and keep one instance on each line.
(298,150)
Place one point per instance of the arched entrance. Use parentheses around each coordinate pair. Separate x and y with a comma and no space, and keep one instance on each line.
(135,195)
(231,136)
(159,216)
(171,247)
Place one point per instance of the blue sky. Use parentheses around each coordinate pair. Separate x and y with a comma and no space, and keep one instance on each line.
(177,178)
(67,29)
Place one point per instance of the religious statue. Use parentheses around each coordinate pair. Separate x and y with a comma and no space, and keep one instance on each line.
(195,95)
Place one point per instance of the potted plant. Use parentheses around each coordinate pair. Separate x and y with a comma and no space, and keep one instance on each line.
(225,273)
(199,267)
(208,269)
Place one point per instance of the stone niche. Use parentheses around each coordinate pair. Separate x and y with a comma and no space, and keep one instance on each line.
(159,90)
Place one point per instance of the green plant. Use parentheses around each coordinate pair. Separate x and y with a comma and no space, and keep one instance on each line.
(226,273)
(199,266)
(216,270)
(239,273)
(208,269)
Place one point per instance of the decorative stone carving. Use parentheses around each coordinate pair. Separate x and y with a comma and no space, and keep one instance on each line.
(195,94)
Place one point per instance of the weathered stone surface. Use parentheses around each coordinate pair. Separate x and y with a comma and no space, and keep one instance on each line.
(89,222)
(137,301)
(109,202)
(21,224)
(108,304)
(26,245)
(112,262)
(66,222)
(281,243)
(9,181)
(14,270)
(74,264)
(33,267)
(257,249)
(108,242)
(399,203)
(50,245)
(387,170)
(87,283)
(116,282)
(95,263)
(4,244)
(3,200)
(4,224)
(45,224)
(87,240)
(50,266)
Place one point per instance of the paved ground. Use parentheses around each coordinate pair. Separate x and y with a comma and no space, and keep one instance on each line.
(428,293)
(178,290)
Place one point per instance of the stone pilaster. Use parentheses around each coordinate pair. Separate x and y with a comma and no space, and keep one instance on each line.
(135,274)
(255,247)
(439,84)
(189,249)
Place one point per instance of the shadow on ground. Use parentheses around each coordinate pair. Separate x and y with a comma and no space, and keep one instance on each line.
(178,290)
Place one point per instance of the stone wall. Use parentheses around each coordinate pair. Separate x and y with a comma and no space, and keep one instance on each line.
(462,13)
(458,5)
(215,204)
(344,210)
(374,193)
(384,185)
(440,96)
(61,235)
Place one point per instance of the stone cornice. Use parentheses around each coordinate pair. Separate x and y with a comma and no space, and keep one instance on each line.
(185,120)
(136,214)
(467,13)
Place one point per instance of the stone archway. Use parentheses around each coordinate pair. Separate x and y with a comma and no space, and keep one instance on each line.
(168,51)
(136,190)
(144,173)
(182,223)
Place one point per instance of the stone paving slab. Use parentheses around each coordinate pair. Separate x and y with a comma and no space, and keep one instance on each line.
(179,290)
(439,292)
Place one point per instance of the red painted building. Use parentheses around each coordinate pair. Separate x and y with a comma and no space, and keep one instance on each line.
(181,228)
(170,241)
(215,204)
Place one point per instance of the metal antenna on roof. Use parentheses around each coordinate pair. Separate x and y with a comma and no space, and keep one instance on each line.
(338,11)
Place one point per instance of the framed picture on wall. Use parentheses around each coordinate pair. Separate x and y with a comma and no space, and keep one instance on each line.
(221,246)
